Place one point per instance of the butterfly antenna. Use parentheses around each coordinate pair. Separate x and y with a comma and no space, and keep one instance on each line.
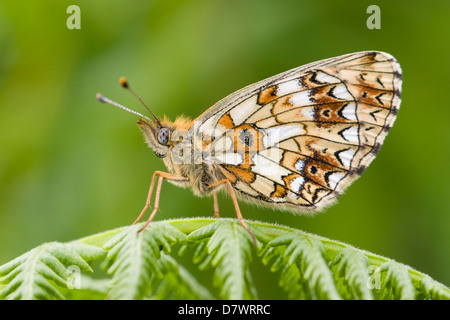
(124,83)
(103,99)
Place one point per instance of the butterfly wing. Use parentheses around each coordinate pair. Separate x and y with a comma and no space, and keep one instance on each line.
(300,138)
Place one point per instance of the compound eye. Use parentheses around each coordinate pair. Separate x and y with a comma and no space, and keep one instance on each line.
(163,136)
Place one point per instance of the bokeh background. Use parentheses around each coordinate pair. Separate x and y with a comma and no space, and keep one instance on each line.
(71,166)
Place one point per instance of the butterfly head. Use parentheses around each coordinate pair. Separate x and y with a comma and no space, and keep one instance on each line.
(156,136)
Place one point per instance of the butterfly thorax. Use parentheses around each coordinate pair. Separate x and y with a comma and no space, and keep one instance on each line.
(200,177)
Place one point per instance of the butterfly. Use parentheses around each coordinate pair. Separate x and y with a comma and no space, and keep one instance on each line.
(294,141)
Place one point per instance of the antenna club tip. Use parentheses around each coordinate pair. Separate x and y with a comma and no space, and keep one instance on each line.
(123,82)
(100,97)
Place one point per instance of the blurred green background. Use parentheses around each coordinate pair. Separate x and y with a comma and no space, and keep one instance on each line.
(71,166)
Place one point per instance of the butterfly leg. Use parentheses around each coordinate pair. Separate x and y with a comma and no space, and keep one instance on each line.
(236,205)
(216,206)
(155,209)
(162,175)
(149,197)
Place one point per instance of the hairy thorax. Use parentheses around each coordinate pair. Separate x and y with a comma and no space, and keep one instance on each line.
(200,176)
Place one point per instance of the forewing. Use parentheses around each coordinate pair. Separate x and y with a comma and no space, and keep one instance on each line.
(301,137)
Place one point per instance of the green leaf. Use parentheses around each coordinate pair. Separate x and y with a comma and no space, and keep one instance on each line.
(178,283)
(397,283)
(290,278)
(430,289)
(307,253)
(228,250)
(308,266)
(37,273)
(133,257)
(352,268)
(90,288)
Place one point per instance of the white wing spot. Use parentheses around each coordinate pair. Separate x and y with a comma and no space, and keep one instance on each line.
(347,157)
(269,169)
(309,113)
(243,110)
(334,179)
(341,92)
(326,78)
(288,87)
(349,112)
(300,165)
(233,158)
(301,98)
(276,134)
(297,184)
(350,134)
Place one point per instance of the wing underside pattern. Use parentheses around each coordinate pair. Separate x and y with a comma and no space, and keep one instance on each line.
(302,137)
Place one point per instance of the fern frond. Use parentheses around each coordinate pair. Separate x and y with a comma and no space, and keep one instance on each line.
(432,290)
(307,253)
(309,266)
(90,288)
(228,250)
(178,283)
(397,283)
(290,280)
(38,273)
(133,257)
(351,268)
